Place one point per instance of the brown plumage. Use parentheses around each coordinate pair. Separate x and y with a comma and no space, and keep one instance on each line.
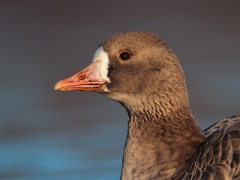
(164,141)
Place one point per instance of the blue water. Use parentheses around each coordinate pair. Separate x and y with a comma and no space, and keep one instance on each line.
(68,155)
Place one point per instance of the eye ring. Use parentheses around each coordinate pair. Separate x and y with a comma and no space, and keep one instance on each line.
(125,55)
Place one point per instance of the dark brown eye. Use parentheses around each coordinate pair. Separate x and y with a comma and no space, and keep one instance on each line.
(125,55)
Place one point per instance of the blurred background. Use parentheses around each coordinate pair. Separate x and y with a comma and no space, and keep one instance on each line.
(80,135)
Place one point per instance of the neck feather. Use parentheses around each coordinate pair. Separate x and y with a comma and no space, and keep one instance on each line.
(160,145)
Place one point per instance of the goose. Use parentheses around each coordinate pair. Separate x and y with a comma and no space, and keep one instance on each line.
(164,141)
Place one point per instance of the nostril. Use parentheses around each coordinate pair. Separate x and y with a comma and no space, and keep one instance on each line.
(80,77)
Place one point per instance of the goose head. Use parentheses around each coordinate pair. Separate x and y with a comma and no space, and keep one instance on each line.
(137,69)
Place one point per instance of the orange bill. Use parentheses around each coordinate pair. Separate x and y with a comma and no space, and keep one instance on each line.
(88,79)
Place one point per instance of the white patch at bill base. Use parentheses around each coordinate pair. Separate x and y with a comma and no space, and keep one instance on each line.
(101,56)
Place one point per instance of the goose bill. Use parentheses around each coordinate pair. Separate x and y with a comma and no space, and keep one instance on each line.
(88,79)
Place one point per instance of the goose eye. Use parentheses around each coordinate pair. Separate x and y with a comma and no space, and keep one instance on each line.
(125,55)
